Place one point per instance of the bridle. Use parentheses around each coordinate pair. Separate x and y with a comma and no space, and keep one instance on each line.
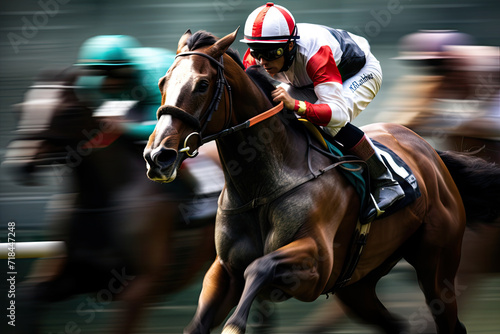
(201,124)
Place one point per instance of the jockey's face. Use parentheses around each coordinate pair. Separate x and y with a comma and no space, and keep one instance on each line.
(272,66)
(272,59)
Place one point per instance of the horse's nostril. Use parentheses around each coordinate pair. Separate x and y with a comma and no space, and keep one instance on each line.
(164,157)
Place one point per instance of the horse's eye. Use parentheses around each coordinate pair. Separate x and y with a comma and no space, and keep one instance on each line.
(202,86)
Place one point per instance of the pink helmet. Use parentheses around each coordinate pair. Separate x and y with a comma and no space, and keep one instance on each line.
(270,24)
(430,44)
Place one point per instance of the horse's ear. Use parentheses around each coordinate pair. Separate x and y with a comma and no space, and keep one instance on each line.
(221,46)
(183,41)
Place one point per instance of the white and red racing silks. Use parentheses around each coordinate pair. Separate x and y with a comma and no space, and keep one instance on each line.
(325,58)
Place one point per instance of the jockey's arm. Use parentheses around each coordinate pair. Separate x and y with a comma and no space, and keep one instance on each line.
(330,110)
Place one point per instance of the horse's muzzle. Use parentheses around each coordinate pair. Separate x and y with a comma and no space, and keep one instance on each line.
(162,164)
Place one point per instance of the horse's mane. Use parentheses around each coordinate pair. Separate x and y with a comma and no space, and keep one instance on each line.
(203,38)
(257,74)
(262,80)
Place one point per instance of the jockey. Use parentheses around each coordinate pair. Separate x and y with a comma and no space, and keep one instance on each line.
(328,76)
(106,70)
(119,77)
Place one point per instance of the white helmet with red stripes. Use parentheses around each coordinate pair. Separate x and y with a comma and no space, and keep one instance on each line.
(270,24)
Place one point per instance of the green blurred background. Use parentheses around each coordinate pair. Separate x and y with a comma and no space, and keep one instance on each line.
(36,34)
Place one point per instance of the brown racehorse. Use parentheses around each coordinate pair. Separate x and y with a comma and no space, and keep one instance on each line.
(281,232)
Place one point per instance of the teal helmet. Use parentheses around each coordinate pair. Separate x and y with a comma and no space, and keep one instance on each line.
(107,50)
(101,58)
(106,57)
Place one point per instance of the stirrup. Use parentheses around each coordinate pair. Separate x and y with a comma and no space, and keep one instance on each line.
(379,211)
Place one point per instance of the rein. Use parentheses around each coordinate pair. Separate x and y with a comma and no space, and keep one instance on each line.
(245,125)
(214,105)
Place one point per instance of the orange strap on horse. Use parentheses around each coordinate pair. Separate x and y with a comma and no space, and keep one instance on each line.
(251,122)
(265,115)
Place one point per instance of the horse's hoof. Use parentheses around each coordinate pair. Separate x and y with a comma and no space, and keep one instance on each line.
(232,329)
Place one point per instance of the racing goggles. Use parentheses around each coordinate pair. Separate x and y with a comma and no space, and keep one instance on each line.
(267,54)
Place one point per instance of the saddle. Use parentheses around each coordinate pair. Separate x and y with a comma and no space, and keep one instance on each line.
(360,180)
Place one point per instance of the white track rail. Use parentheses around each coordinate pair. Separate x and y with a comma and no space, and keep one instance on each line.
(27,250)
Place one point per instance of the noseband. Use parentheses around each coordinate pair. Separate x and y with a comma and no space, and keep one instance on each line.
(214,105)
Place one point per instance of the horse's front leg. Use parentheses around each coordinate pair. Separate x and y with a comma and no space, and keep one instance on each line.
(220,293)
(298,269)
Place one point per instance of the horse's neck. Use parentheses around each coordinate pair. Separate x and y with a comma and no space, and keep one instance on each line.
(260,159)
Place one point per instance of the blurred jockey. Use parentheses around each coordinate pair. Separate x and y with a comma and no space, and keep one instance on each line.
(329,76)
(119,77)
(436,83)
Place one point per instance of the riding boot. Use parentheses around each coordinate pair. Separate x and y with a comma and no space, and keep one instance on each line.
(385,190)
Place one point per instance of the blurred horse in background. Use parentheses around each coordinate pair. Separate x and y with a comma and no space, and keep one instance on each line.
(453,100)
(127,238)
(460,111)
(475,119)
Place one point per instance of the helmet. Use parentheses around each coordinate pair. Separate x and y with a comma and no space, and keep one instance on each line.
(106,50)
(430,44)
(103,57)
(270,24)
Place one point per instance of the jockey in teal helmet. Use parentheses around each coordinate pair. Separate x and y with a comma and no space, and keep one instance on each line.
(107,50)
(120,77)
(107,69)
